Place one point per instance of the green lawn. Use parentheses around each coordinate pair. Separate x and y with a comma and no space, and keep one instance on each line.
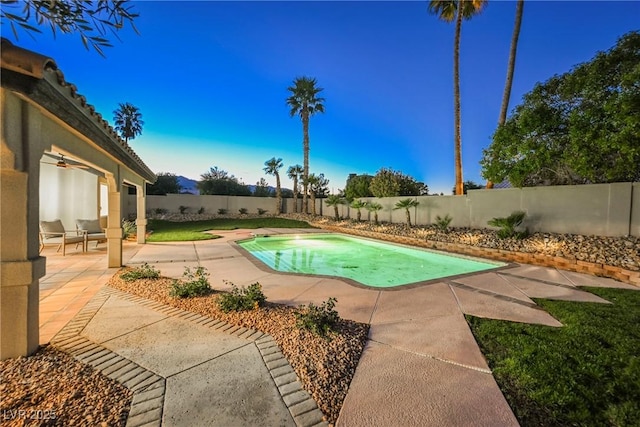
(586,373)
(167,231)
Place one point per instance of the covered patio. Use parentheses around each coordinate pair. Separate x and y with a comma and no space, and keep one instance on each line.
(44,118)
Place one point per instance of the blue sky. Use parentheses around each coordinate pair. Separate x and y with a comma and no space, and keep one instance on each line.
(210,79)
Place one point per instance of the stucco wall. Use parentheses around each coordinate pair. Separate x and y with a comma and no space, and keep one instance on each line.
(634,225)
(211,204)
(598,209)
(67,194)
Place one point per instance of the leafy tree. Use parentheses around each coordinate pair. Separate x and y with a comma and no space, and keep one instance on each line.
(262,189)
(335,200)
(219,182)
(358,186)
(272,167)
(166,183)
(448,10)
(410,187)
(389,183)
(407,204)
(580,127)
(469,185)
(295,173)
(385,183)
(510,68)
(216,173)
(305,102)
(128,121)
(374,207)
(320,186)
(358,205)
(92,20)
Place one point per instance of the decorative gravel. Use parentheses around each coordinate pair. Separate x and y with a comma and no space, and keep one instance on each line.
(51,388)
(325,366)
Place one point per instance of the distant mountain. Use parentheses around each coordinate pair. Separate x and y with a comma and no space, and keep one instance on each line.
(188,185)
(252,188)
(191,186)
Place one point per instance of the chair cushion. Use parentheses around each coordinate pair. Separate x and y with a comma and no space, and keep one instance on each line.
(91,225)
(74,239)
(96,236)
(52,227)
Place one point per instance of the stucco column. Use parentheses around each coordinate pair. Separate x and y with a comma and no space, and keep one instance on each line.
(141,220)
(19,290)
(20,264)
(114,230)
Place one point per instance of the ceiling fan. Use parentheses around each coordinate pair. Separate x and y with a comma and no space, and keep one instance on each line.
(62,163)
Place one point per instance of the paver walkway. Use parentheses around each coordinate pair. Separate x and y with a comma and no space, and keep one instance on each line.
(421,366)
(186,369)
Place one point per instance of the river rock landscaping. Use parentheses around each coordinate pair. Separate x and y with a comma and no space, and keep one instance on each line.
(51,388)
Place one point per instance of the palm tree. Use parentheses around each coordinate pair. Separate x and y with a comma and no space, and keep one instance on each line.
(271,167)
(335,200)
(128,120)
(295,173)
(311,183)
(304,101)
(357,205)
(510,67)
(407,204)
(448,10)
(374,207)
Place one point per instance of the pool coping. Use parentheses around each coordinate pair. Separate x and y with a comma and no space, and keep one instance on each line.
(620,274)
(264,267)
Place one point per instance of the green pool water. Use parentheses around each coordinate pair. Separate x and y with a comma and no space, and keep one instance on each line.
(368,262)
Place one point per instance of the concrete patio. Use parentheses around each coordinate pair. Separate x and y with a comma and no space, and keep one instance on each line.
(421,365)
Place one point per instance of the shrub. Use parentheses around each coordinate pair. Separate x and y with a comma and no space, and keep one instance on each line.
(129,228)
(193,283)
(442,224)
(145,271)
(240,299)
(222,211)
(183,209)
(318,319)
(160,211)
(508,225)
(243,211)
(201,210)
(262,211)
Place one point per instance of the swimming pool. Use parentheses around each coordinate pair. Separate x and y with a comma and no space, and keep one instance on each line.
(368,262)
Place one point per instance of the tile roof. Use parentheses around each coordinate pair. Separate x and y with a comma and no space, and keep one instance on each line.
(44,69)
(503,184)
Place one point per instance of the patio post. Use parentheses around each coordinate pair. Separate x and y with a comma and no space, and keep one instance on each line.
(114,225)
(21,267)
(141,220)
